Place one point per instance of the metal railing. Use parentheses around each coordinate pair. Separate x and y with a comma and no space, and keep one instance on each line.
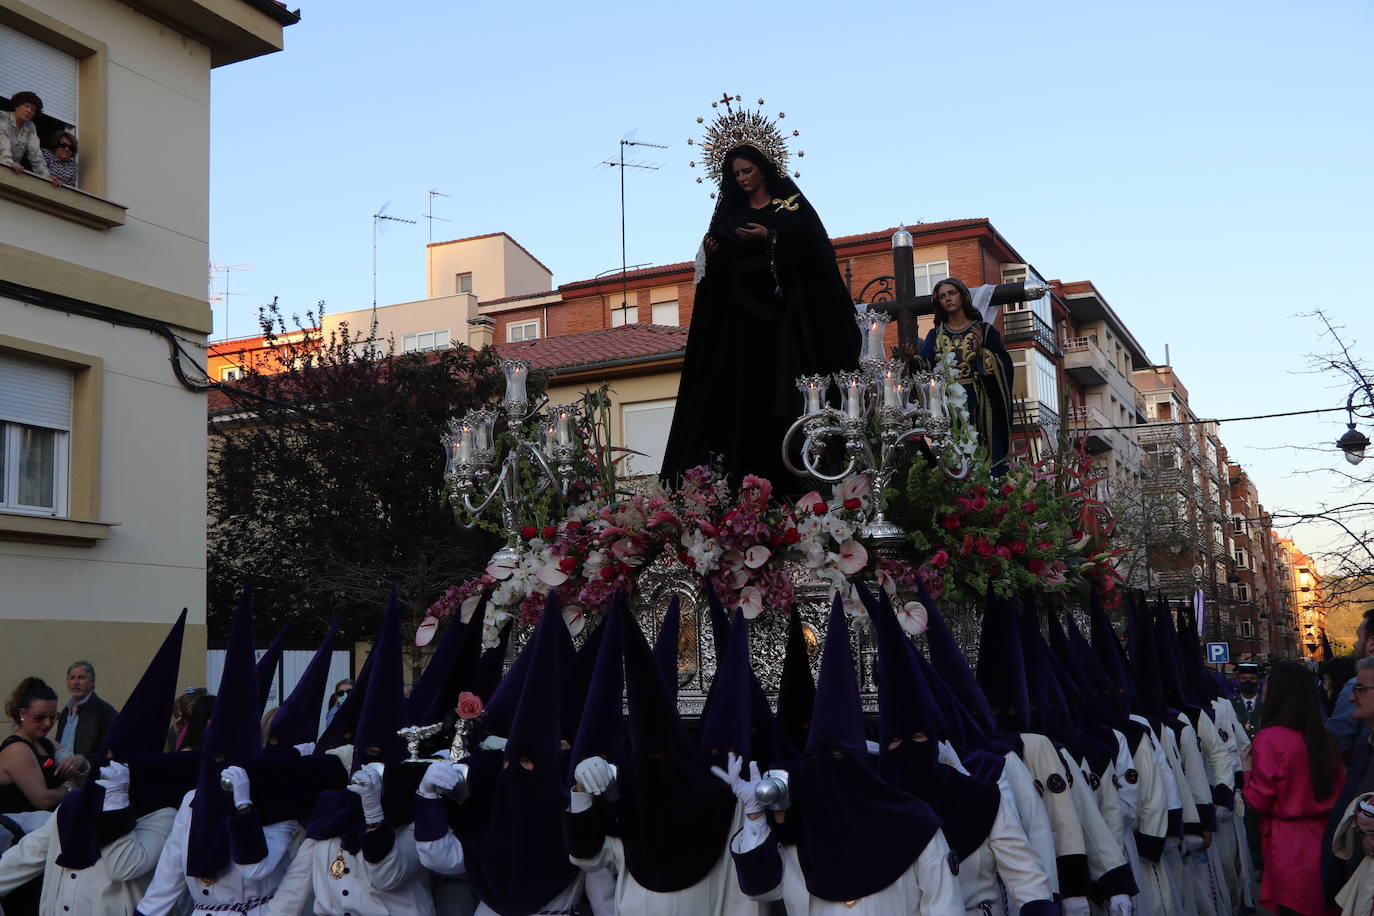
(1019,326)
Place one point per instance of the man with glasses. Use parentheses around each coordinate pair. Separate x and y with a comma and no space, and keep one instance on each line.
(1343,726)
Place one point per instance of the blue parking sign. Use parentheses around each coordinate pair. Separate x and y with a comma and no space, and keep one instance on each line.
(1218,653)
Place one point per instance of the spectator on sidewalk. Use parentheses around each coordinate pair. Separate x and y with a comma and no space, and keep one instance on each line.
(86,719)
(1342,725)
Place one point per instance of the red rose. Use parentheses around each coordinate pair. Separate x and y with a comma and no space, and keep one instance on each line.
(940,559)
(1003,552)
(951,522)
(573,525)
(966,548)
(528,532)
(1029,507)
(567,564)
(1017,548)
(791,535)
(820,508)
(978,503)
(469,705)
(549,531)
(853,503)
(1008,489)
(984,548)
(1035,566)
(607,572)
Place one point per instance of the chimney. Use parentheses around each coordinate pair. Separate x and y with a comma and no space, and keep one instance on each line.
(481,331)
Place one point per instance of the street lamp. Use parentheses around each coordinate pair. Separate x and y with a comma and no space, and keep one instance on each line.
(1354,442)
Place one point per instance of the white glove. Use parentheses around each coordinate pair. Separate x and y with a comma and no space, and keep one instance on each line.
(1225,815)
(1192,842)
(306,749)
(367,784)
(1120,905)
(114,777)
(594,775)
(438,779)
(1075,906)
(493,743)
(239,780)
(743,788)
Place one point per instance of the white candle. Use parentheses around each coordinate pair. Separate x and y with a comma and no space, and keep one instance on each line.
(935,398)
(854,399)
(516,372)
(465,444)
(813,397)
(876,329)
(564,427)
(891,383)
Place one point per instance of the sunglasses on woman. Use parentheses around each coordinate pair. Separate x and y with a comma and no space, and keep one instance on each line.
(65,146)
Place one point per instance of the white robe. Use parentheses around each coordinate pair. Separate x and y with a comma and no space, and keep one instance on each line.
(395,885)
(110,887)
(171,889)
(717,894)
(929,887)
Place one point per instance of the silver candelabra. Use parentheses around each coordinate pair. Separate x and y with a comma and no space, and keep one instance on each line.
(883,407)
(480,475)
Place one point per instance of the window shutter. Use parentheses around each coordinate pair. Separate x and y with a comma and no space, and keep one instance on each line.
(27,63)
(34,393)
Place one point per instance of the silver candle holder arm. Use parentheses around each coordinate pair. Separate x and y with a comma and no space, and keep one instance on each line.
(883,407)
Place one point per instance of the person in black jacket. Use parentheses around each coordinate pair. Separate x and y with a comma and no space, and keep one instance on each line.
(86,719)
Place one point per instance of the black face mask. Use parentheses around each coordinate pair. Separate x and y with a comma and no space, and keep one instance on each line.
(1248,688)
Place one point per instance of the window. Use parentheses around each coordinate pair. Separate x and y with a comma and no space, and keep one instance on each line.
(425,340)
(665,313)
(462,283)
(1046,381)
(1020,273)
(27,63)
(1242,592)
(231,373)
(625,314)
(646,430)
(522,330)
(1238,524)
(928,274)
(35,419)
(1242,559)
(1247,629)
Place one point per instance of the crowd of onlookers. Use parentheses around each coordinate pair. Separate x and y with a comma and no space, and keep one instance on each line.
(1310,784)
(20,146)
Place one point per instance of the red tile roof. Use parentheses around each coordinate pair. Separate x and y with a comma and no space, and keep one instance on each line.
(628,343)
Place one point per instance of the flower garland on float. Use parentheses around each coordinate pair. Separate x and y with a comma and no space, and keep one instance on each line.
(1036,526)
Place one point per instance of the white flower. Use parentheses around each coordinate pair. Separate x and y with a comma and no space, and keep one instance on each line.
(756,556)
(853,557)
(502,569)
(575,618)
(592,566)
(469,607)
(813,554)
(838,528)
(751,602)
(887,583)
(914,618)
(810,527)
(551,574)
(704,551)
(424,633)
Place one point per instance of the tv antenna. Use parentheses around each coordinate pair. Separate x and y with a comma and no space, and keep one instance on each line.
(433,193)
(379,219)
(622,165)
(222,295)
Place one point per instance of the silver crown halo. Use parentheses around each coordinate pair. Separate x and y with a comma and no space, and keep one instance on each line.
(739,125)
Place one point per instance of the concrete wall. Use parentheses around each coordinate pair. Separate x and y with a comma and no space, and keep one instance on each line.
(396,321)
(499,267)
(112,602)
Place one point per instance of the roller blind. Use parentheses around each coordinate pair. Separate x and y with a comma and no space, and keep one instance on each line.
(646,430)
(27,63)
(35,393)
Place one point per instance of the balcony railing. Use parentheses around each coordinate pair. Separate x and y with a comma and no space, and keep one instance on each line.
(1018,326)
(1030,414)
(1085,362)
(1090,423)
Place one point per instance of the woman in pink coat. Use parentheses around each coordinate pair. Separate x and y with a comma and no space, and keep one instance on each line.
(1295,780)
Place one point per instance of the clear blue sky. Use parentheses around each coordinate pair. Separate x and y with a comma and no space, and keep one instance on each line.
(1207,165)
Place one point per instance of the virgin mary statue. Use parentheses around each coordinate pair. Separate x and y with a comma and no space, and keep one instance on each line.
(770,306)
